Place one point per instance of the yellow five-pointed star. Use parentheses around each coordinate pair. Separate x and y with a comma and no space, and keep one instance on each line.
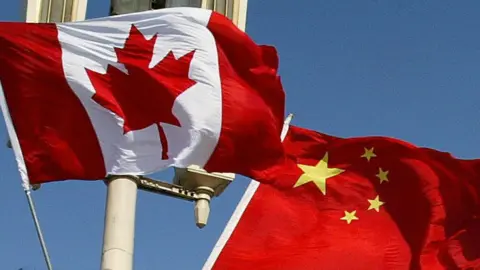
(317,174)
(349,216)
(369,154)
(375,204)
(382,175)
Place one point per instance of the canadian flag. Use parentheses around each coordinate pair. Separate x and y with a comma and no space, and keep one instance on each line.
(137,93)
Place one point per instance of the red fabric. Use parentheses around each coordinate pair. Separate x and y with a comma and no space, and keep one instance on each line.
(429,219)
(56,136)
(253,100)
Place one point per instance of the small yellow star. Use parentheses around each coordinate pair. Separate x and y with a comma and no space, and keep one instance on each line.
(317,174)
(350,216)
(382,175)
(369,154)
(375,204)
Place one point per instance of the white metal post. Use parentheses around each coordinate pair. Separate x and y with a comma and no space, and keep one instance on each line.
(119,232)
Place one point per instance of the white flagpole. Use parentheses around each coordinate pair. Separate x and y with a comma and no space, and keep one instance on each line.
(15,145)
(37,227)
(119,230)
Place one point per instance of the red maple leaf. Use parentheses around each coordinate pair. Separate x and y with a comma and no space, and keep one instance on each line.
(143,96)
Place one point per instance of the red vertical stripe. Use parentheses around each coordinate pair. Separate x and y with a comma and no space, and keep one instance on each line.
(56,136)
(253,103)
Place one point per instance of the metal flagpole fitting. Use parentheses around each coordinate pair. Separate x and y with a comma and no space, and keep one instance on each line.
(119,231)
(202,205)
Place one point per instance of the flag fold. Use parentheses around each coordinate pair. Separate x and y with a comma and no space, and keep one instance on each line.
(137,93)
(357,203)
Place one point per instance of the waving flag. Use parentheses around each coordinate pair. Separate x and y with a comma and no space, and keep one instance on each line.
(136,93)
(357,203)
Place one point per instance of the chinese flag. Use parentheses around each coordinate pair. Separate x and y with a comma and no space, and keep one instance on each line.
(357,203)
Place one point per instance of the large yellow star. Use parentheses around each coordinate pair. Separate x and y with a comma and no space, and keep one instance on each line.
(369,154)
(317,174)
(349,216)
(375,204)
(382,175)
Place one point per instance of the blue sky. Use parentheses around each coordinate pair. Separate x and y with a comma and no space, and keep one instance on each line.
(407,69)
